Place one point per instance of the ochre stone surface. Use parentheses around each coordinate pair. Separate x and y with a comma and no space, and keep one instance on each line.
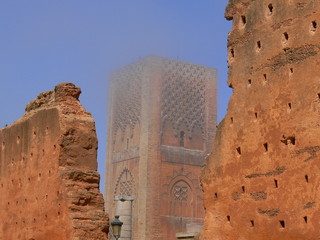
(162,116)
(48,172)
(262,179)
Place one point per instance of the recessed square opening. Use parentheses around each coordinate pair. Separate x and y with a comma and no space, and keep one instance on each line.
(289,106)
(286,36)
(282,223)
(276,183)
(243,189)
(305,219)
(249,82)
(216,195)
(256,114)
(228,218)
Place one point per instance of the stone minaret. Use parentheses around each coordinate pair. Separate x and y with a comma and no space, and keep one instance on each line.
(162,120)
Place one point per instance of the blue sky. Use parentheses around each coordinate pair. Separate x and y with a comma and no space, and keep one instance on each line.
(43,43)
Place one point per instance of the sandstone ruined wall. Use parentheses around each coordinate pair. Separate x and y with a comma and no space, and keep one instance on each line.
(49,187)
(262,179)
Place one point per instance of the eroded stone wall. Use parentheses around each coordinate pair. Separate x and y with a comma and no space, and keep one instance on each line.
(49,183)
(262,179)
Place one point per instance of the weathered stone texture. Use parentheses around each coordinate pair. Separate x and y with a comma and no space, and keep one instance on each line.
(267,146)
(49,184)
(162,116)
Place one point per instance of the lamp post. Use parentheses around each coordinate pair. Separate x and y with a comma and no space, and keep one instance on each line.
(116,225)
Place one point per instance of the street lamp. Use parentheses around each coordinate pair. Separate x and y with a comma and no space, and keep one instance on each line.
(116,225)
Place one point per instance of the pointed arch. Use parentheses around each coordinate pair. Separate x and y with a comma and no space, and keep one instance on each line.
(125,184)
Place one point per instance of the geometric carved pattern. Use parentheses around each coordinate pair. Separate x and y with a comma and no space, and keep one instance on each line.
(127,92)
(125,184)
(180,191)
(183,95)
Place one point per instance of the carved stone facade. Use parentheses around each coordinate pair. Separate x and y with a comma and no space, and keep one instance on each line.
(262,179)
(167,127)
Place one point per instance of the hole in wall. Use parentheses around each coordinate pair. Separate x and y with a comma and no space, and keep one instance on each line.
(288,140)
(252,223)
(265,145)
(285,36)
(258,45)
(276,183)
(306,178)
(231,120)
(232,52)
(249,82)
(216,195)
(282,223)
(256,114)
(182,139)
(265,78)
(291,71)
(313,27)
(289,106)
(319,96)
(243,189)
(305,219)
(243,20)
(59,213)
(238,150)
(228,218)
(270,9)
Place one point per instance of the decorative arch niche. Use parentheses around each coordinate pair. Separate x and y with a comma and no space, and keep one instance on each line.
(125,184)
